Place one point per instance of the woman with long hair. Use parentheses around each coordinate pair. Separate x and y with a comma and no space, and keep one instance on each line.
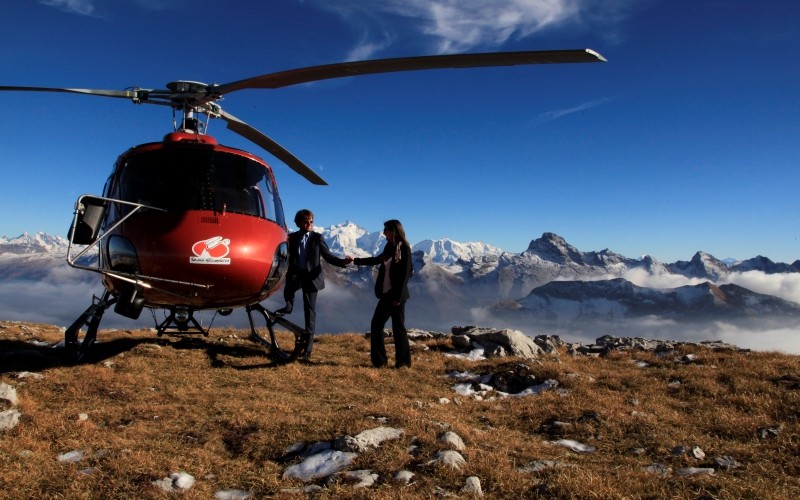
(391,288)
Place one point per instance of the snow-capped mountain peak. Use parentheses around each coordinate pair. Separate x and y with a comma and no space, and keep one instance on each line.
(447,251)
(702,265)
(351,239)
(33,244)
(552,247)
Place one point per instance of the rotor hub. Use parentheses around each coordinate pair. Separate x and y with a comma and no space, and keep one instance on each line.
(187,87)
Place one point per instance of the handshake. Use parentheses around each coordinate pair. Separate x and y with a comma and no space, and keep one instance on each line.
(348,260)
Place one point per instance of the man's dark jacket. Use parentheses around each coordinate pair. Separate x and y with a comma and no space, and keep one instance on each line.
(310,277)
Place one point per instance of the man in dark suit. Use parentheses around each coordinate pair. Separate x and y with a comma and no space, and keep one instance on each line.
(305,271)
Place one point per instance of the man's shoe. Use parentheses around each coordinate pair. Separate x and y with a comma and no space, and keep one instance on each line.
(283,311)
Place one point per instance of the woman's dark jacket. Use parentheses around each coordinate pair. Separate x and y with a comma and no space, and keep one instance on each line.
(400,271)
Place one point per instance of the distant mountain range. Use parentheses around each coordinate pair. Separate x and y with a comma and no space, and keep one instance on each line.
(38,243)
(568,302)
(550,286)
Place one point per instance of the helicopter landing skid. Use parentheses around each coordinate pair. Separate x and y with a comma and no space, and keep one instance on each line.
(77,348)
(284,347)
(173,326)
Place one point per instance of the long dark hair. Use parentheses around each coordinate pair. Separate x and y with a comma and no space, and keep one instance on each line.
(396,227)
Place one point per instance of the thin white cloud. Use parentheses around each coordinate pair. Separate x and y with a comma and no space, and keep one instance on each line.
(550,116)
(80,7)
(93,8)
(786,339)
(448,26)
(783,285)
(366,48)
(641,277)
(460,26)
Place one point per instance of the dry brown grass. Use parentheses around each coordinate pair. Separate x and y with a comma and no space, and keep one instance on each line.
(218,409)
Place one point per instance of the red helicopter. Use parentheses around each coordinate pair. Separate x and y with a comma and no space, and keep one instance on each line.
(187,224)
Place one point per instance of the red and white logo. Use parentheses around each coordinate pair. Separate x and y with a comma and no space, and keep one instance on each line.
(211,251)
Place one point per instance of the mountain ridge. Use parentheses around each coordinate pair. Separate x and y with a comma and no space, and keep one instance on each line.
(349,238)
(457,283)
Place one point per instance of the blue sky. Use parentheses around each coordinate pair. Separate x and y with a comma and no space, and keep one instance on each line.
(687,139)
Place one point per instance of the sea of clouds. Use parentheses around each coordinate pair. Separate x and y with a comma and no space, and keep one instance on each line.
(64,295)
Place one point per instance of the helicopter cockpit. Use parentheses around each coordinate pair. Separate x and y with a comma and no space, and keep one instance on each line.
(179,180)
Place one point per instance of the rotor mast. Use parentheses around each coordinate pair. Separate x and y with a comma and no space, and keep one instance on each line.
(189,98)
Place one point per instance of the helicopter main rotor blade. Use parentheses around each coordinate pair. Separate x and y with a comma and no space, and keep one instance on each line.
(194,96)
(272,147)
(126,94)
(355,68)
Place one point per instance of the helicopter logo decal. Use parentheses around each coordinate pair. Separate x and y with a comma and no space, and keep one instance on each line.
(213,250)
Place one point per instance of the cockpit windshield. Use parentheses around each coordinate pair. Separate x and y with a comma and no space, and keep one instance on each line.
(180,179)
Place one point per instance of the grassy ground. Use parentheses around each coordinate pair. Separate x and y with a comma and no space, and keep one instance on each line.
(218,409)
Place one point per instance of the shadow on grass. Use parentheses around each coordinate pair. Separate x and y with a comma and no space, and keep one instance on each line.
(17,355)
(220,354)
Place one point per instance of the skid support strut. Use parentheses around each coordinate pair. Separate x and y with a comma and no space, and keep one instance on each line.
(284,347)
(77,348)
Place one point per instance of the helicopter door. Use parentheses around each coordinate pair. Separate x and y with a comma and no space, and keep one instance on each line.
(89,214)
